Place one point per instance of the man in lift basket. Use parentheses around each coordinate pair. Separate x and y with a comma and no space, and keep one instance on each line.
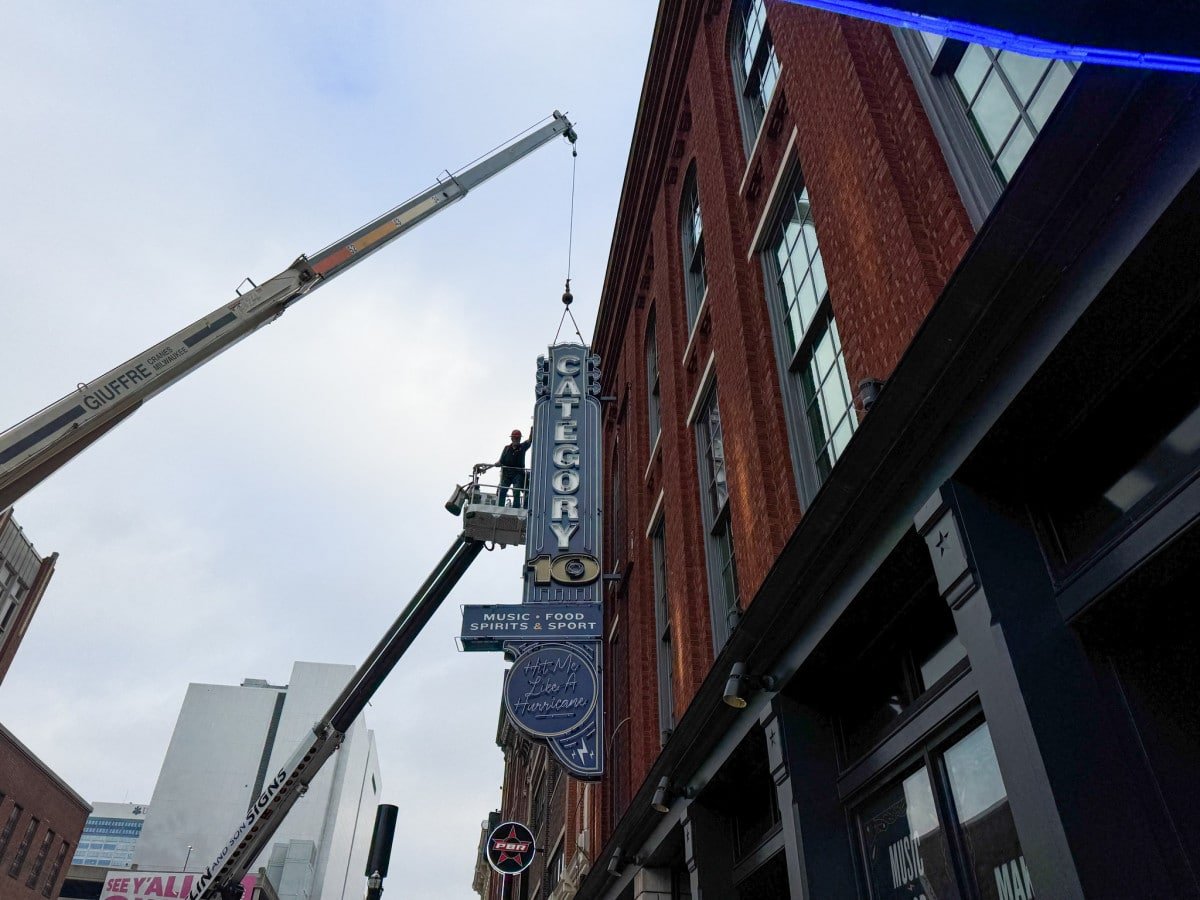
(512,470)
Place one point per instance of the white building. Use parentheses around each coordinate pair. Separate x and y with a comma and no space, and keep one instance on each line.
(110,834)
(227,742)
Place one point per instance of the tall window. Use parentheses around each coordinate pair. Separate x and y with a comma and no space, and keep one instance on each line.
(691,227)
(14,815)
(714,489)
(820,405)
(23,848)
(987,107)
(662,618)
(40,859)
(943,829)
(555,869)
(12,592)
(52,877)
(755,66)
(653,392)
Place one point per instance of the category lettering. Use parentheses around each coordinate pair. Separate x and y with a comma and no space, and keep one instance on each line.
(564,506)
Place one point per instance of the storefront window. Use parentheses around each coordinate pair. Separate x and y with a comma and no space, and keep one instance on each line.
(910,854)
(985,822)
(924,652)
(1149,427)
(904,844)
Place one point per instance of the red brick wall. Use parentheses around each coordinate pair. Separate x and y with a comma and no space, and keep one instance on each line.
(27,783)
(891,228)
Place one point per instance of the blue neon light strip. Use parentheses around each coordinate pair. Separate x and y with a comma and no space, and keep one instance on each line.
(1005,40)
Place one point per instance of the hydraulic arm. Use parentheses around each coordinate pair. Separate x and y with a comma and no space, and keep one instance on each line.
(222,878)
(37,446)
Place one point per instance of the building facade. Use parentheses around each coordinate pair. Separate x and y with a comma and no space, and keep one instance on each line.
(23,579)
(109,835)
(555,807)
(901,471)
(40,822)
(41,817)
(227,740)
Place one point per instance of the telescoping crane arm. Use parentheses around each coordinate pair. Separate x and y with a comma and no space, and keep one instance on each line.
(222,879)
(34,448)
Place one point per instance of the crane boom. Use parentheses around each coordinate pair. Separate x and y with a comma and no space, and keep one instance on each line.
(34,448)
(221,879)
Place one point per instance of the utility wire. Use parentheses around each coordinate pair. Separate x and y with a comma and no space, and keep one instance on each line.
(571,225)
(568,297)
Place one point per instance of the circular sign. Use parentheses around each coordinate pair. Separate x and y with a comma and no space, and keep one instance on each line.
(510,848)
(551,690)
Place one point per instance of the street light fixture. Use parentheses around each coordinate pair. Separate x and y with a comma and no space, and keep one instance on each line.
(375,886)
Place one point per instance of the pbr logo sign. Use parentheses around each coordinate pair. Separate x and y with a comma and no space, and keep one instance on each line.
(510,848)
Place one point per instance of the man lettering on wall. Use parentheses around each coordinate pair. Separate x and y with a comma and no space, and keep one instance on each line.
(512,470)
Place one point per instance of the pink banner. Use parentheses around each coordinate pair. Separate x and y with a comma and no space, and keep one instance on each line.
(123,884)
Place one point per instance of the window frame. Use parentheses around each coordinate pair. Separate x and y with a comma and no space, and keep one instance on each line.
(748,85)
(927,752)
(10,826)
(962,147)
(824,322)
(13,591)
(653,380)
(792,362)
(691,242)
(39,861)
(556,867)
(52,877)
(662,620)
(18,860)
(720,547)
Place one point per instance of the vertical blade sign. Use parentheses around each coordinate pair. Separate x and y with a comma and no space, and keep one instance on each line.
(553,691)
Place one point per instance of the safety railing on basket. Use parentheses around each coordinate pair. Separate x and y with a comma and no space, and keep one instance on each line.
(492,485)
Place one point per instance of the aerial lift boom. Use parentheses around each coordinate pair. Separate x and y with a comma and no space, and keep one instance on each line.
(222,879)
(485,521)
(34,448)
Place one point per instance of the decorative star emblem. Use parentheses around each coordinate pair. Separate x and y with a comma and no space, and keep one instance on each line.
(508,847)
(943,537)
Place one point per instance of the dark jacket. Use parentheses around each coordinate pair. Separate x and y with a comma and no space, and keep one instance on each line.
(513,455)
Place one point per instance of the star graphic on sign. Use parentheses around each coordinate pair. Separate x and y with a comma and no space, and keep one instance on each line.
(943,536)
(511,839)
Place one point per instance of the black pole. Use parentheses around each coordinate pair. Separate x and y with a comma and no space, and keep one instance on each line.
(380,853)
(506,888)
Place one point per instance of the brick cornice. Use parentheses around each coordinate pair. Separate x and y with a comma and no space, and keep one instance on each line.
(654,128)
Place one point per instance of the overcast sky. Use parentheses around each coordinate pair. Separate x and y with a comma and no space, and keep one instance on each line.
(284,501)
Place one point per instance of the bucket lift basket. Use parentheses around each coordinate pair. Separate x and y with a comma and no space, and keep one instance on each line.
(486,515)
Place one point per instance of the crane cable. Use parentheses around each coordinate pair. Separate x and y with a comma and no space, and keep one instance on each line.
(568,297)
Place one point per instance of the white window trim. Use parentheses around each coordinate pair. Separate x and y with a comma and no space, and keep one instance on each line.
(700,310)
(656,514)
(761,130)
(706,382)
(653,456)
(787,163)
(613,630)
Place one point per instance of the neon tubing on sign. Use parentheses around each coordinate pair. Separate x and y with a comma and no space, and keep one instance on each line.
(1005,40)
